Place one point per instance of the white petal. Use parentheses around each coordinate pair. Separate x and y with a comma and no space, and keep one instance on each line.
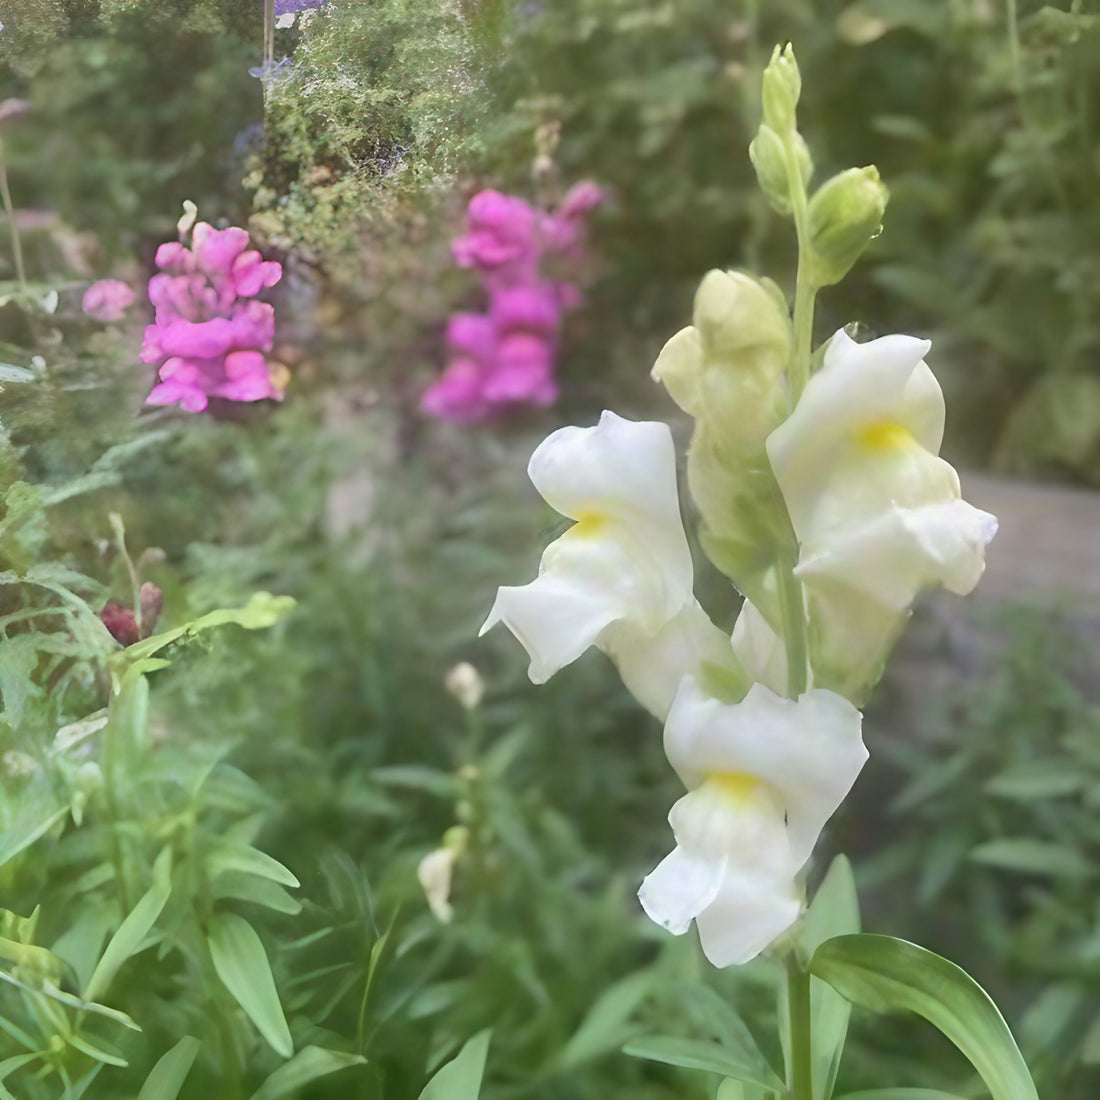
(625,560)
(747,914)
(620,468)
(679,888)
(810,751)
(759,649)
(903,550)
(858,384)
(652,665)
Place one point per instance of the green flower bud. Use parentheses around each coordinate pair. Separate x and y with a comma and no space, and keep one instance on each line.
(767,151)
(782,87)
(845,216)
(741,322)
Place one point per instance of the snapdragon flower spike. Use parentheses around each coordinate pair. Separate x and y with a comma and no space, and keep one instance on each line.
(878,515)
(210,334)
(107,300)
(621,577)
(505,359)
(764,776)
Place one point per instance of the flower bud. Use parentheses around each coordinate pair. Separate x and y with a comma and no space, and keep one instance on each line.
(465,684)
(845,216)
(767,151)
(782,87)
(739,319)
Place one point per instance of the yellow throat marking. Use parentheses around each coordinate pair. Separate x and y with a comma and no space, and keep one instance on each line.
(735,786)
(588,524)
(884,436)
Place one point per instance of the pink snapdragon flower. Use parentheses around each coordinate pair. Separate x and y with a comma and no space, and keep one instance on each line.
(210,334)
(504,358)
(107,300)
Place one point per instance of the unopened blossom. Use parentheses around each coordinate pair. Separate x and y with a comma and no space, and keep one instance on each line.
(464,682)
(210,334)
(504,359)
(107,300)
(621,577)
(878,515)
(763,777)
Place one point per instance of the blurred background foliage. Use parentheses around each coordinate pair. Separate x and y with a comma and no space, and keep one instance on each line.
(328,741)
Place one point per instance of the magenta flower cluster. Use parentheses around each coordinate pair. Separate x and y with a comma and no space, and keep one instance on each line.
(210,334)
(505,357)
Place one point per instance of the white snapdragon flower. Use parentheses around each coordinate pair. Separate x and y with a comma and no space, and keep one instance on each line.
(621,577)
(874,507)
(763,777)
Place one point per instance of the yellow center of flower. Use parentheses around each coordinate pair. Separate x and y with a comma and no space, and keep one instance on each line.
(735,786)
(589,524)
(884,436)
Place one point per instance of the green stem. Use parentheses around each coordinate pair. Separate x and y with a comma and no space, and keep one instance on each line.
(798,373)
(793,614)
(800,1085)
(791,606)
(9,210)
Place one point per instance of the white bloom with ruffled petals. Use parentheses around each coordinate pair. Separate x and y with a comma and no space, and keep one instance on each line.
(621,577)
(764,775)
(874,507)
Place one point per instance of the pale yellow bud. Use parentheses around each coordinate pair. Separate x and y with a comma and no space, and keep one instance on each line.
(740,321)
(845,216)
(782,88)
(767,152)
(465,684)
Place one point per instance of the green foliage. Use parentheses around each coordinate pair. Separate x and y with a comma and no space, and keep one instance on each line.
(882,973)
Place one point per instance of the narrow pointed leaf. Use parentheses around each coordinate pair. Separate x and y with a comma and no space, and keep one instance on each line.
(460,1078)
(605,1026)
(166,1078)
(241,963)
(702,1054)
(307,1065)
(131,933)
(882,973)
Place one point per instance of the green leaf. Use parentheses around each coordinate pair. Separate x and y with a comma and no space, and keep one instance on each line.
(1036,781)
(731,1089)
(1033,857)
(242,965)
(901,1094)
(243,858)
(882,973)
(166,1078)
(702,1054)
(261,611)
(307,1065)
(602,1030)
(259,891)
(460,1078)
(131,933)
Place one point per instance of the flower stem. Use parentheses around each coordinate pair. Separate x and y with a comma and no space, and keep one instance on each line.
(800,1085)
(791,605)
(793,614)
(9,210)
(798,372)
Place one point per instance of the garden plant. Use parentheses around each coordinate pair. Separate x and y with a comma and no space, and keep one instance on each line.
(290,292)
